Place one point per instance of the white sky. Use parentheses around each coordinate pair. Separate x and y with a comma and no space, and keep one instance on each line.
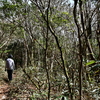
(71,1)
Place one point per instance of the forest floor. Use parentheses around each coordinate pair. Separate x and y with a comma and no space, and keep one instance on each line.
(5,86)
(13,90)
(20,88)
(17,89)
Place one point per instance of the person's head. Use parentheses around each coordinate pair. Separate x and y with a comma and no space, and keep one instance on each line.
(10,56)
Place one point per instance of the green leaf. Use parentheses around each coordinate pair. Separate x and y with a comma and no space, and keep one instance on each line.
(90,62)
(5,51)
(65,13)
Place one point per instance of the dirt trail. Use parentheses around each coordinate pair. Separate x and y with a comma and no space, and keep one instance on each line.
(4,85)
(4,88)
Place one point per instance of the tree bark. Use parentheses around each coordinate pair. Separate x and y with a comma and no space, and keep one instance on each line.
(80,47)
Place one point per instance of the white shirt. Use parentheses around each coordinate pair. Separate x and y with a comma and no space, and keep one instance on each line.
(10,65)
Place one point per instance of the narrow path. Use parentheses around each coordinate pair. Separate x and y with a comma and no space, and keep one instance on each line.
(4,88)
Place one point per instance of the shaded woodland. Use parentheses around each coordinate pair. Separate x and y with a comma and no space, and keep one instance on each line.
(55,44)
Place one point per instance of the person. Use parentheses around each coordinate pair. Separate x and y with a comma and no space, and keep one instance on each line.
(10,66)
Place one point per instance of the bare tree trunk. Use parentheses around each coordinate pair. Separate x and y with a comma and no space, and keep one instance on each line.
(80,48)
(47,69)
(63,64)
(25,57)
(98,27)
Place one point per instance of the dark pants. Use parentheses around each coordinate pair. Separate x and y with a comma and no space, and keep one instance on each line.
(10,74)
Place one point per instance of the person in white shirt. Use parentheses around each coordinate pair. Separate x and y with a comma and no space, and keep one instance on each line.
(10,66)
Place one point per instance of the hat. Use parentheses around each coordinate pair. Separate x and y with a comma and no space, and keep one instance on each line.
(10,56)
